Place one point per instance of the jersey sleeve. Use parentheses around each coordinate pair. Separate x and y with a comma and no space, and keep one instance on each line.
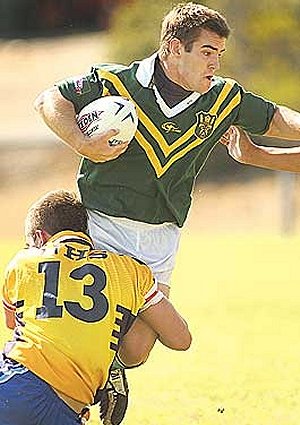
(255,113)
(82,89)
(148,287)
(153,296)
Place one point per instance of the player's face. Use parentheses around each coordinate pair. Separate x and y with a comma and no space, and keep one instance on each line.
(195,69)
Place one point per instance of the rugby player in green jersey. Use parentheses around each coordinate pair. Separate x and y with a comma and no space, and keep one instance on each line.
(138,194)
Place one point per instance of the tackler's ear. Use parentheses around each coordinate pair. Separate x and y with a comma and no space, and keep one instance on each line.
(40,238)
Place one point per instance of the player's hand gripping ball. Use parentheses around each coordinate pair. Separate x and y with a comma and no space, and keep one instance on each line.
(106,113)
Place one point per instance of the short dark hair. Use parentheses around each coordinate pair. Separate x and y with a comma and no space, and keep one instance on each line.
(54,212)
(185,22)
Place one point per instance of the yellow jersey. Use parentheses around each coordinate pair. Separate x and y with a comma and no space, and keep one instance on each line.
(73,304)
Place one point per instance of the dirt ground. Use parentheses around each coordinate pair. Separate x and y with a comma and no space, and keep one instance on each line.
(33,161)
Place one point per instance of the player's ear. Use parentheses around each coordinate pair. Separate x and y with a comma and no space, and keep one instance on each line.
(40,238)
(175,47)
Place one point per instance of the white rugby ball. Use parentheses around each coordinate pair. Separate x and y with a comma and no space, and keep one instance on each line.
(106,113)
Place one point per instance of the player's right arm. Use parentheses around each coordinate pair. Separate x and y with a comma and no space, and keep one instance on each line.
(60,116)
(160,315)
(166,324)
(157,319)
(171,329)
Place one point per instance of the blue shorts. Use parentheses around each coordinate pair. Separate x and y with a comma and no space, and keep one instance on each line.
(26,399)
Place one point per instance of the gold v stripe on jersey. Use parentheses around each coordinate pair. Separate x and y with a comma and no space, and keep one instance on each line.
(166,149)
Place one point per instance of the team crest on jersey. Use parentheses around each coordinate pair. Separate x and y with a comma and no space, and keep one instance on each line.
(205,124)
(170,127)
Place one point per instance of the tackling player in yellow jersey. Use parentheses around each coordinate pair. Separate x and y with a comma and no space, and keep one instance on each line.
(70,307)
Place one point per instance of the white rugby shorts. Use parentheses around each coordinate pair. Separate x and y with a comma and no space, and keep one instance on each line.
(154,244)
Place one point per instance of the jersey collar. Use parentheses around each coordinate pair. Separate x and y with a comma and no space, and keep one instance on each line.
(145,71)
(71,236)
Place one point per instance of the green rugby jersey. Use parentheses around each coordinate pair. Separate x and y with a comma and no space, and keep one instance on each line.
(153,180)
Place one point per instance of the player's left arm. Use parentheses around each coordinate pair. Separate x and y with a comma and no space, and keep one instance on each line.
(10,315)
(242,149)
(9,295)
(260,116)
(8,306)
(285,124)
